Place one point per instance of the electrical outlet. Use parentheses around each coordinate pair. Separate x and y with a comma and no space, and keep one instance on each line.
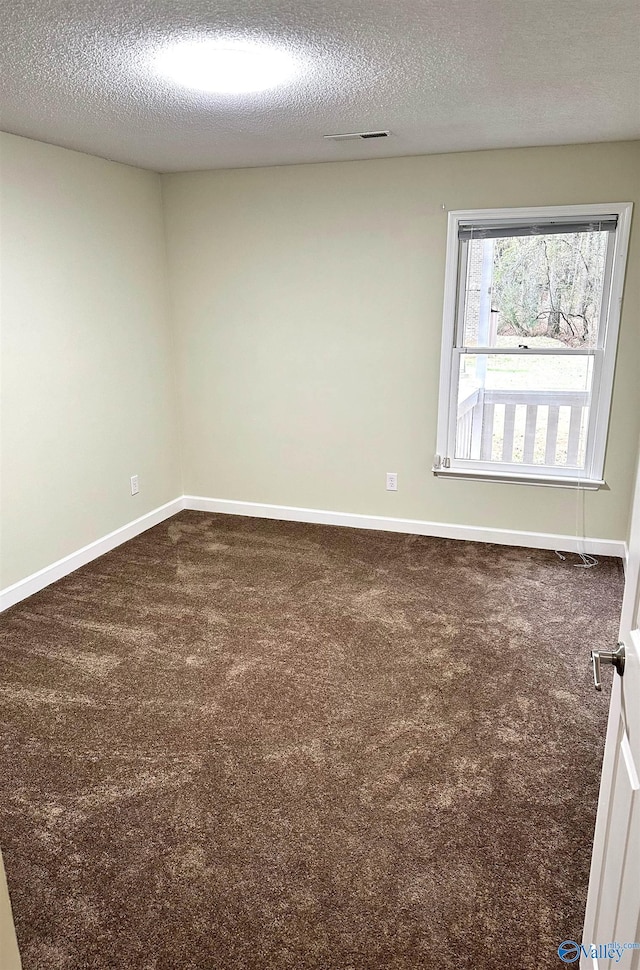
(135,485)
(392,481)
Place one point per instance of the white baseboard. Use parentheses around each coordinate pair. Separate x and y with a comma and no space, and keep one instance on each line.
(443,530)
(471,533)
(50,574)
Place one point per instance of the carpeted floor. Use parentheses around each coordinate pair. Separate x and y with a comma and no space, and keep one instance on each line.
(237,744)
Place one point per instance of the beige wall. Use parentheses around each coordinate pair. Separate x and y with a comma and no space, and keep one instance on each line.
(87,379)
(308,314)
(307,305)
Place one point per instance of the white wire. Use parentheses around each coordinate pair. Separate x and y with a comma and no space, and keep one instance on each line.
(587,560)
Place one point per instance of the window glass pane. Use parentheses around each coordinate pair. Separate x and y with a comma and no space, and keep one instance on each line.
(540,290)
(529,409)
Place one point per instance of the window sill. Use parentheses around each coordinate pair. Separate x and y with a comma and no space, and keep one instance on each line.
(588,484)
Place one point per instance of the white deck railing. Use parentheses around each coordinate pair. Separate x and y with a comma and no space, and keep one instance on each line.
(479,436)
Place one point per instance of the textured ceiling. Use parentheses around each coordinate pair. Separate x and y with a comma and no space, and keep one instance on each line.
(443,75)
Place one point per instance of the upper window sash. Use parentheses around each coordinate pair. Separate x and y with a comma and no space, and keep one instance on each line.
(495,229)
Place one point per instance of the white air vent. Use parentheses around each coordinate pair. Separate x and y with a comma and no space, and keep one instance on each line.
(349,136)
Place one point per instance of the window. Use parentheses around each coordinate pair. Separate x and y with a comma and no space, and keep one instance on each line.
(532,305)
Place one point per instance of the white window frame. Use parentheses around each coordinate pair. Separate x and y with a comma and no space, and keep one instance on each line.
(591,477)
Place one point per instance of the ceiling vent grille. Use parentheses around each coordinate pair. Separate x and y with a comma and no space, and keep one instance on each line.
(351,135)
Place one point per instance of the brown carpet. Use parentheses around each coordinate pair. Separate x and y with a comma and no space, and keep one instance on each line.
(237,744)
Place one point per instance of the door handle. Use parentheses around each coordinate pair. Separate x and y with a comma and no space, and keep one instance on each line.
(614,657)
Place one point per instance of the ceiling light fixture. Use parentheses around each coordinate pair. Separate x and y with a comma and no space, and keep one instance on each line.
(206,65)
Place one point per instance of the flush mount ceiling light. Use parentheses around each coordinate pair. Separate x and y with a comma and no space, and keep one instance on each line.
(205,65)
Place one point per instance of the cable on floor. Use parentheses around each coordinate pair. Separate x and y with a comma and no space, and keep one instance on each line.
(587,561)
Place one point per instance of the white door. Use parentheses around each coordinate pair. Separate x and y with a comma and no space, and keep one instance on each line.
(612,919)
